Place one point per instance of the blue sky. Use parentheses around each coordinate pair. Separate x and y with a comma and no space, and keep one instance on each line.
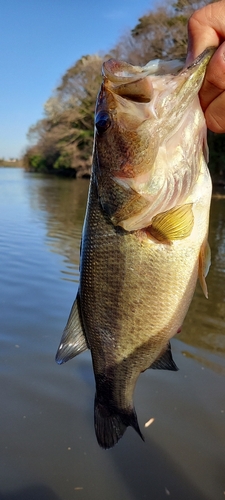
(39,41)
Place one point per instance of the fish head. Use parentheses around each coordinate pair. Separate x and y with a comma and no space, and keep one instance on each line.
(139,118)
(120,114)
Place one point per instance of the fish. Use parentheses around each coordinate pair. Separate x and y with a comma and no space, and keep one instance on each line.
(145,234)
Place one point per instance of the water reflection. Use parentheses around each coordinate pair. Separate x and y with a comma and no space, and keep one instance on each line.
(48,447)
(63,202)
(204,326)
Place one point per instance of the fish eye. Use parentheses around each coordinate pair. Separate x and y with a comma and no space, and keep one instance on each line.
(102,121)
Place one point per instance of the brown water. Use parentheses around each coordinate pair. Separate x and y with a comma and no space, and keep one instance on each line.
(47,441)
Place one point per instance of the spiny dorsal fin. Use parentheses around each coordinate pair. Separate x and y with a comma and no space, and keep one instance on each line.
(165,361)
(175,224)
(204,265)
(73,341)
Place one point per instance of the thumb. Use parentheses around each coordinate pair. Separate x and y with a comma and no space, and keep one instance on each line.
(206,28)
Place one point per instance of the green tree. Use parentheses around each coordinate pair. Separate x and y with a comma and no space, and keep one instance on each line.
(62,141)
(64,137)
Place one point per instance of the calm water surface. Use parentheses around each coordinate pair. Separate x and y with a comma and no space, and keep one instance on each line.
(47,442)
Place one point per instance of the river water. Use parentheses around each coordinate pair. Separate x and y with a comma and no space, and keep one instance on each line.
(47,441)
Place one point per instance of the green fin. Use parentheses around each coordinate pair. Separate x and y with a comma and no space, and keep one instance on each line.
(165,361)
(204,265)
(175,224)
(73,341)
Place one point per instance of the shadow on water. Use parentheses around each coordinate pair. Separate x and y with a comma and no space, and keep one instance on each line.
(35,492)
(157,477)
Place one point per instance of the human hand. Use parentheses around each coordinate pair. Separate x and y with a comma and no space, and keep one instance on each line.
(206,28)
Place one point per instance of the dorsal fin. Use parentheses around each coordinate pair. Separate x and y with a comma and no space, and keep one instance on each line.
(165,361)
(73,341)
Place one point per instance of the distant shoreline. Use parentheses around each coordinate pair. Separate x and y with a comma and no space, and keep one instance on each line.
(218,182)
(8,163)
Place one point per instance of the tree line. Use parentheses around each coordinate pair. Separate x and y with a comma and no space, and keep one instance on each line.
(61,142)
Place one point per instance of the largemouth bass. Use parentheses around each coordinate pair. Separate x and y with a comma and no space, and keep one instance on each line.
(144,240)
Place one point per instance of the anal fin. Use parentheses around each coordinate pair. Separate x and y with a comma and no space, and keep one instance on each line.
(165,361)
(73,341)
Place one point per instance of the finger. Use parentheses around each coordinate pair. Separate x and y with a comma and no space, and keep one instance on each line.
(215,113)
(206,28)
(214,82)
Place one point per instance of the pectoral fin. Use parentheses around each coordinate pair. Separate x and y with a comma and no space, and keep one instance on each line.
(73,341)
(165,361)
(204,265)
(175,224)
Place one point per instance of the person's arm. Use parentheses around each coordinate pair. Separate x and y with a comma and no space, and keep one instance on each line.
(206,28)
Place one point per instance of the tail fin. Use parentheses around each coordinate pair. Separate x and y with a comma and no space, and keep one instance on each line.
(110,426)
